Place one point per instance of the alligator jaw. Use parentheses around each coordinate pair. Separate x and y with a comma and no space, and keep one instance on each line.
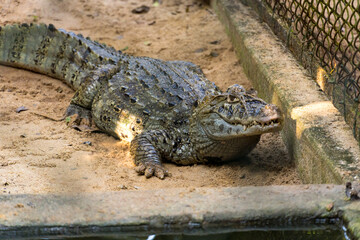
(265,124)
(222,130)
(220,127)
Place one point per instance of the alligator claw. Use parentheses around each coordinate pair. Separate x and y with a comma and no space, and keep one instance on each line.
(150,170)
(79,118)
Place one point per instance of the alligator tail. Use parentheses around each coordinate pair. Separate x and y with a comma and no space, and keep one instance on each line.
(54,52)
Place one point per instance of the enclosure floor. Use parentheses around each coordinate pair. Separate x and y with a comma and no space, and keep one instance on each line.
(39,155)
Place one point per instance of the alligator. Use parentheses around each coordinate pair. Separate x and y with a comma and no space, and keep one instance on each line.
(168,110)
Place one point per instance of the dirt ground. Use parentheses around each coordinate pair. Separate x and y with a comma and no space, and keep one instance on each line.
(39,155)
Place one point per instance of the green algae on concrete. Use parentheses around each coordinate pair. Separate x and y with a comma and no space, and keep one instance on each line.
(316,135)
(319,142)
(351,215)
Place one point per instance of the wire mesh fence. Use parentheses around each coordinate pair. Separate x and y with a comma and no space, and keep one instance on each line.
(329,34)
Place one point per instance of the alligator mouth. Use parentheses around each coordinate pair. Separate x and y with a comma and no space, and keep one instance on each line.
(263,124)
(227,129)
(243,127)
(269,118)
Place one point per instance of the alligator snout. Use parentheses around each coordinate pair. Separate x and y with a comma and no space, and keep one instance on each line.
(271,113)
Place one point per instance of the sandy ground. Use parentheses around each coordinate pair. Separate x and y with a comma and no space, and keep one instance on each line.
(39,155)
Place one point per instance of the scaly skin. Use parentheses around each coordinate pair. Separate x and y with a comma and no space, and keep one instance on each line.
(168,110)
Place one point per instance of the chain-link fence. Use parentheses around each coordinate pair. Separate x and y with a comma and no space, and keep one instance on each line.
(327,33)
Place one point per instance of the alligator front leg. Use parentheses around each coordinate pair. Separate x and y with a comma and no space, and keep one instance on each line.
(148,148)
(79,117)
(78,114)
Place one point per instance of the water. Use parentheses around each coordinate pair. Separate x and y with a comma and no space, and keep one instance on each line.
(323,233)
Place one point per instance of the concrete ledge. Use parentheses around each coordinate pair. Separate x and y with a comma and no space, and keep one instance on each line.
(317,137)
(160,210)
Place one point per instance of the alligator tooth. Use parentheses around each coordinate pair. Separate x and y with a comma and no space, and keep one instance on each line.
(235,111)
(263,124)
(245,127)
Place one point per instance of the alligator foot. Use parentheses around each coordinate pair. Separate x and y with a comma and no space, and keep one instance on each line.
(147,150)
(149,170)
(79,118)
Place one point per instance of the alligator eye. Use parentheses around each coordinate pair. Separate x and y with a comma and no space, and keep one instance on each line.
(232,99)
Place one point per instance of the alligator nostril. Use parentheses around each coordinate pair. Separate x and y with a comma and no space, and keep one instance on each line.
(268,107)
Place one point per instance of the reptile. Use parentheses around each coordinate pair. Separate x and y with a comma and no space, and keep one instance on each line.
(168,110)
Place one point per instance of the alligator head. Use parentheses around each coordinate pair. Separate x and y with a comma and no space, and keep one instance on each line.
(233,121)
